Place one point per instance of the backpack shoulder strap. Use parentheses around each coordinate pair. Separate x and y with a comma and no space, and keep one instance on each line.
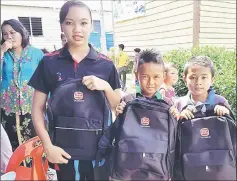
(106,141)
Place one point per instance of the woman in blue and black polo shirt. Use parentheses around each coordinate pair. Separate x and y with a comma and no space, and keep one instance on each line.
(96,71)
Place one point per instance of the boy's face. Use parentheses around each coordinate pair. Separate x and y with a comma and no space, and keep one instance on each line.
(150,77)
(198,80)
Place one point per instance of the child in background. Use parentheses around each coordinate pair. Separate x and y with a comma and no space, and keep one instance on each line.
(171,77)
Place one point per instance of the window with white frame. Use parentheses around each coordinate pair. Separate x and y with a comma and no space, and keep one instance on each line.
(33,25)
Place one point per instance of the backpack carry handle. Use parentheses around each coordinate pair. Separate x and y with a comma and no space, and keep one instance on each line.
(206,110)
(203,110)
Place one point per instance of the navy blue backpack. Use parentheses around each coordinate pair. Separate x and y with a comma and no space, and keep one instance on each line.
(206,146)
(140,144)
(78,118)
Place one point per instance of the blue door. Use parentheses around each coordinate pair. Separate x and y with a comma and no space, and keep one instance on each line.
(109,40)
(94,39)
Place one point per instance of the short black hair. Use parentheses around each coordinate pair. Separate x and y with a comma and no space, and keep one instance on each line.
(137,50)
(18,27)
(204,61)
(150,56)
(67,5)
(121,46)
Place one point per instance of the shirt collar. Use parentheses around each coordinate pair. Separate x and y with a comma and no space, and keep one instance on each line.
(210,99)
(24,54)
(139,93)
(92,55)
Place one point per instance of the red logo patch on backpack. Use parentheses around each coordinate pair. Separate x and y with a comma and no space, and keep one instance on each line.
(204,132)
(145,122)
(78,96)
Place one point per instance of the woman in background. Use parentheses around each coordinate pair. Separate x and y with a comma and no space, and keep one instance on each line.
(18,62)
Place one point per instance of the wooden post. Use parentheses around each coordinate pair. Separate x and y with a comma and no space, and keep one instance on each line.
(196,22)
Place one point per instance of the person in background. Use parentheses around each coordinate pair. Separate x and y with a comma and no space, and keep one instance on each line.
(6,150)
(171,78)
(63,39)
(122,64)
(111,54)
(136,53)
(18,62)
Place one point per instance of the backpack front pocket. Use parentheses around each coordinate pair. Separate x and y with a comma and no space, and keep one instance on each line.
(209,165)
(78,136)
(135,161)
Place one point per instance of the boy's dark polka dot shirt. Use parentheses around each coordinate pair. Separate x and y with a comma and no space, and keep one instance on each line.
(55,68)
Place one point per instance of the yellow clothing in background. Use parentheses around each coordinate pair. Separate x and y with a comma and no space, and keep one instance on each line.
(122,59)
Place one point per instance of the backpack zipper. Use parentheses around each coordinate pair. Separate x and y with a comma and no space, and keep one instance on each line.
(78,129)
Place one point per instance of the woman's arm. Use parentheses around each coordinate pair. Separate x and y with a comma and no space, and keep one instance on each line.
(38,117)
(94,83)
(54,153)
(113,96)
(5,46)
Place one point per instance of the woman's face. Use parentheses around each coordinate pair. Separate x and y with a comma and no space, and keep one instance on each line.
(10,34)
(77,26)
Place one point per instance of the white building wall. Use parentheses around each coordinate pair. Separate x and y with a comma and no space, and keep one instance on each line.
(50,22)
(218,23)
(166,25)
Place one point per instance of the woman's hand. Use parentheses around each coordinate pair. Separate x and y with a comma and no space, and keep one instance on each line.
(6,46)
(56,154)
(94,83)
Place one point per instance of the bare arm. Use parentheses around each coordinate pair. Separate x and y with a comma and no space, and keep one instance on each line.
(5,46)
(94,83)
(38,107)
(113,96)
(54,153)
